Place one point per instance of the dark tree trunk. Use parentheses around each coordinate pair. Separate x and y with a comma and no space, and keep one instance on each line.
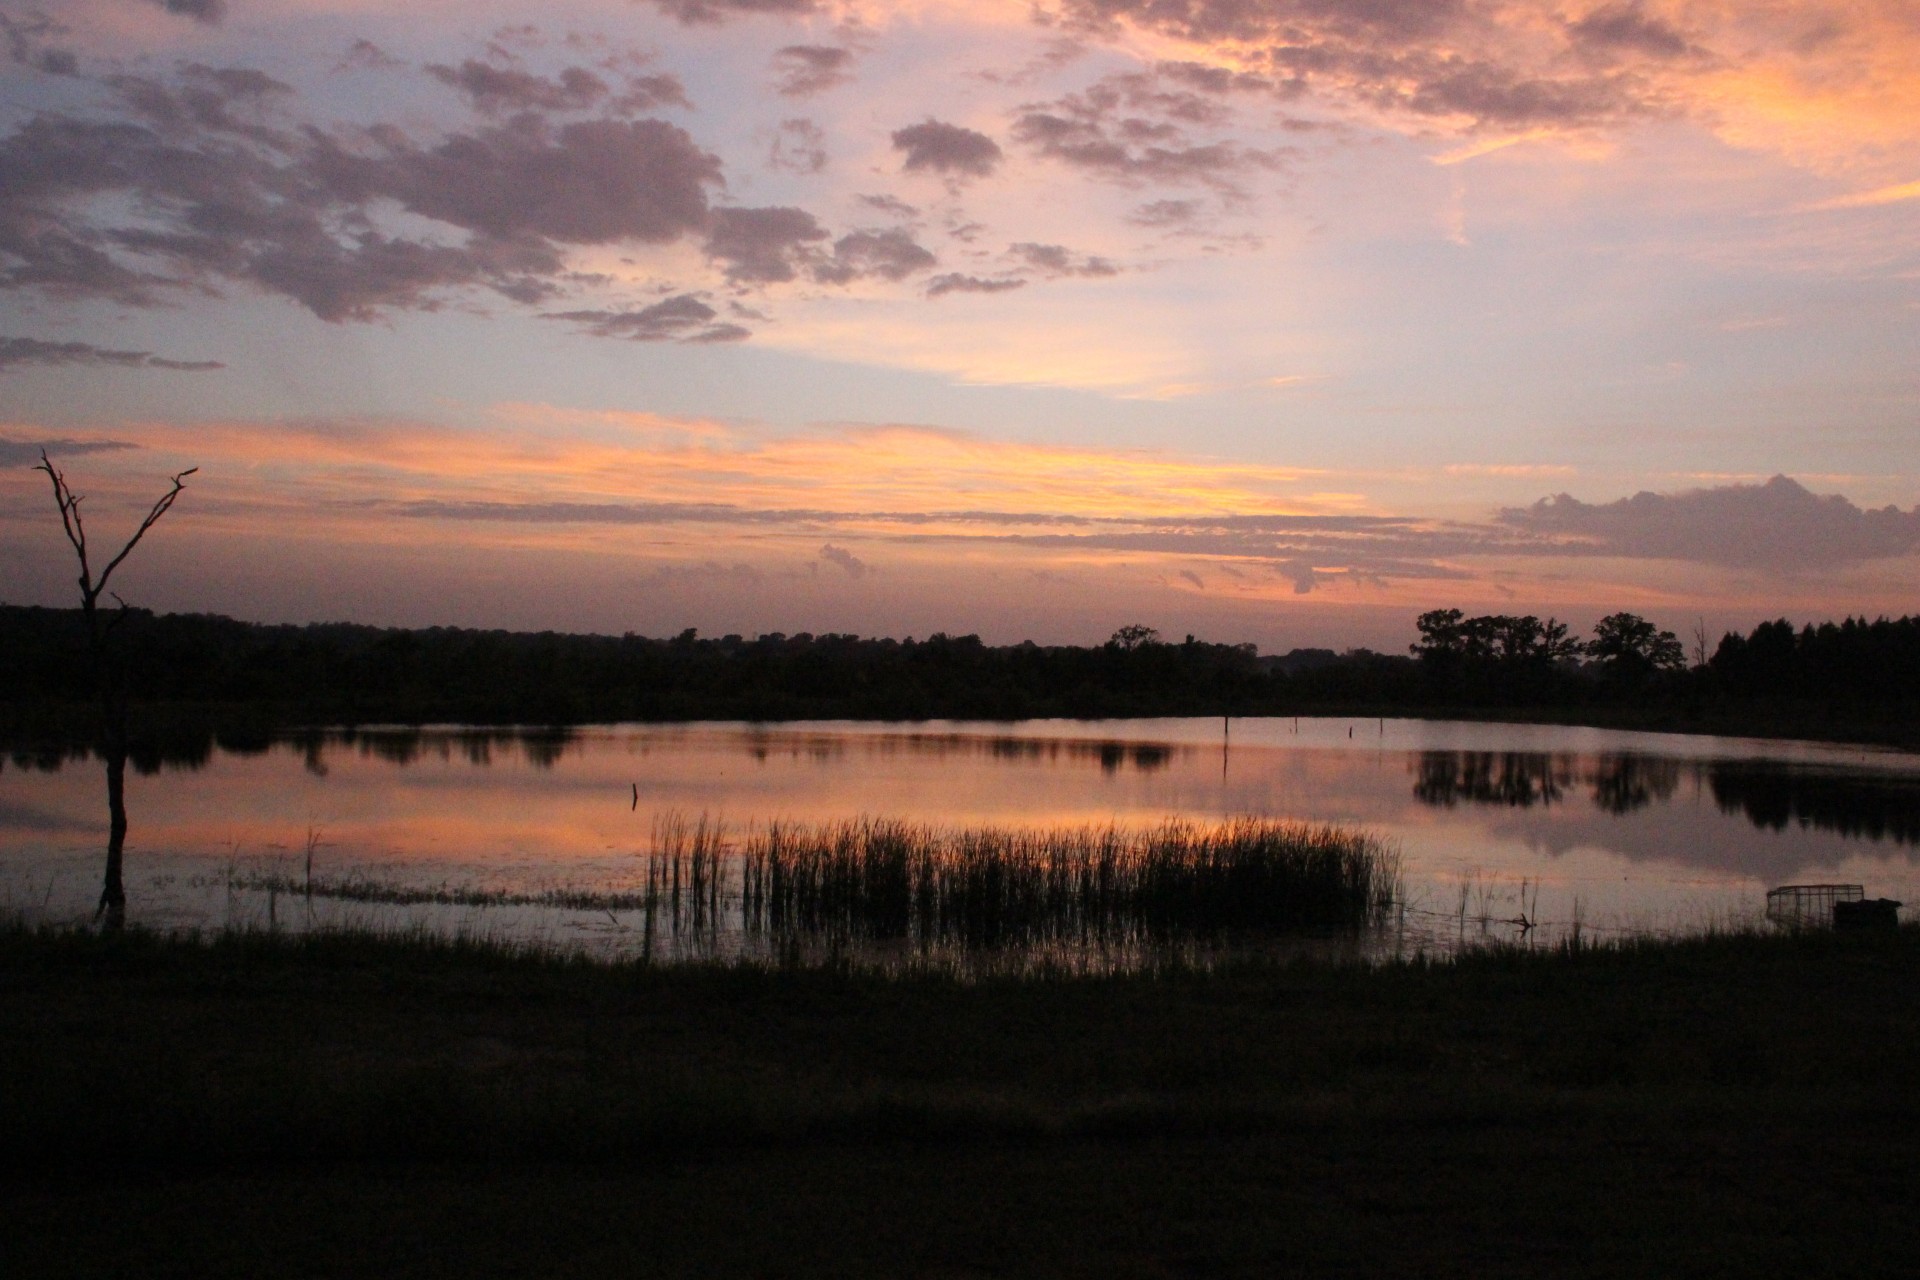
(112,912)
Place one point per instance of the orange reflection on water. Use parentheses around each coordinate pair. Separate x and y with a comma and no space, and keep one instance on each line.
(1597,826)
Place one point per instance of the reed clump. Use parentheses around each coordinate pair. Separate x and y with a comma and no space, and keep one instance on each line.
(882,879)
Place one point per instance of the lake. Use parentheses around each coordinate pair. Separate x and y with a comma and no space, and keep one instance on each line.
(1524,833)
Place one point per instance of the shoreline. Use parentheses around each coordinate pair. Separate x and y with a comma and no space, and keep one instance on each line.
(26,728)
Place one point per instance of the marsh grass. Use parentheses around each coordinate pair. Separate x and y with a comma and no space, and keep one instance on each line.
(875,879)
(803,894)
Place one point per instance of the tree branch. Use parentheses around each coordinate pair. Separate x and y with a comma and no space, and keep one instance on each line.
(69,505)
(153,518)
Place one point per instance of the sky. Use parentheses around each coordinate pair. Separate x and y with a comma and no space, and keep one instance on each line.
(1261,320)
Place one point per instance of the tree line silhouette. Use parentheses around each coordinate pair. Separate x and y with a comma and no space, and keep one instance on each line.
(340,673)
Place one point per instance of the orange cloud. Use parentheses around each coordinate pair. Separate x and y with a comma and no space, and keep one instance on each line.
(1866,199)
(624,457)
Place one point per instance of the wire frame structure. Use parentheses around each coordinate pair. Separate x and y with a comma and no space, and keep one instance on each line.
(1809,906)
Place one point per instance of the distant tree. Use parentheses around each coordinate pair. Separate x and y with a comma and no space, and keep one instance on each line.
(1630,649)
(1556,645)
(1441,636)
(104,669)
(1134,636)
(1492,657)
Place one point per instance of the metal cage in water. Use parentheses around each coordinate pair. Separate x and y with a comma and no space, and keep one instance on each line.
(1803,906)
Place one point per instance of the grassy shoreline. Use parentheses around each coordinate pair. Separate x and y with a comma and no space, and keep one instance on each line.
(1722,1105)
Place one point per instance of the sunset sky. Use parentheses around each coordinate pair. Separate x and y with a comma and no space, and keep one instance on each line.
(1269,320)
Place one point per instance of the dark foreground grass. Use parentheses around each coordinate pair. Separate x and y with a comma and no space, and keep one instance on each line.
(336,1106)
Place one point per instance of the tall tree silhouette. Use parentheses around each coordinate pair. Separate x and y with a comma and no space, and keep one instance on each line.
(108,678)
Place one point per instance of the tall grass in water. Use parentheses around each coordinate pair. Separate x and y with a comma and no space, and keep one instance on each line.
(686,876)
(884,880)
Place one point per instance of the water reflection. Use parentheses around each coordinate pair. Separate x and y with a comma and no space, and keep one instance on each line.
(1110,754)
(1623,783)
(1513,778)
(1876,806)
(1618,783)
(1873,808)
(1597,824)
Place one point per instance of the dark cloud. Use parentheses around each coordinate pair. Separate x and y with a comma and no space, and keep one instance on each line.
(1087,146)
(955,282)
(19,351)
(1624,28)
(855,567)
(1428,57)
(201,188)
(202,100)
(762,246)
(947,149)
(1300,573)
(210,178)
(887,255)
(682,318)
(495,90)
(694,12)
(1129,128)
(1058,260)
(1493,94)
(590,182)
(1159,214)
(1779,525)
(365,55)
(1391,21)
(25,453)
(890,205)
(647,93)
(207,11)
(371,272)
(1173,93)
(1211,79)
(27,44)
(521,35)
(775,245)
(799,146)
(801,70)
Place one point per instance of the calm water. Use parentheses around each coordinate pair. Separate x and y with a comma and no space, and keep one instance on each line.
(1645,833)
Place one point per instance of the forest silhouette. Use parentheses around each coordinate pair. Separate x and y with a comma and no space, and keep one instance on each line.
(1854,678)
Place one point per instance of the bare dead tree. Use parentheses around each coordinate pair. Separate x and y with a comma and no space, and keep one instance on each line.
(109,685)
